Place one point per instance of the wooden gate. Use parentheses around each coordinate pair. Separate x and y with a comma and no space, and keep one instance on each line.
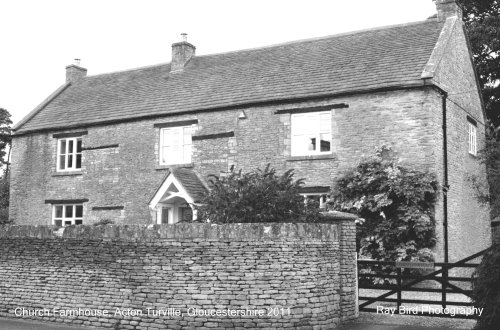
(406,283)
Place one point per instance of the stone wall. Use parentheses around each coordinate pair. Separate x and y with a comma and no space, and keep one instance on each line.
(469,229)
(284,275)
(120,163)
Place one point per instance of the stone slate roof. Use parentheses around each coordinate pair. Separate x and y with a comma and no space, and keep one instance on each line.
(191,182)
(392,56)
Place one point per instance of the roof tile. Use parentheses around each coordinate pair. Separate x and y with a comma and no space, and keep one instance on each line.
(377,58)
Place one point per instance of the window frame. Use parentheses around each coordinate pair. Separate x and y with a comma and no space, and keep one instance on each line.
(317,132)
(63,218)
(74,154)
(323,197)
(162,146)
(472,137)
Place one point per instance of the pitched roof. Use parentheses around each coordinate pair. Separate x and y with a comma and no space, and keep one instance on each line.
(191,183)
(377,58)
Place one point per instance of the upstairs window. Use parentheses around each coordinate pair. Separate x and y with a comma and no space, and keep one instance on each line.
(67,214)
(472,137)
(175,145)
(311,133)
(69,154)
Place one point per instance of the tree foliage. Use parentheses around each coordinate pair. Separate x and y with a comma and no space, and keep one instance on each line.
(5,135)
(258,196)
(396,203)
(489,193)
(5,142)
(482,20)
(486,289)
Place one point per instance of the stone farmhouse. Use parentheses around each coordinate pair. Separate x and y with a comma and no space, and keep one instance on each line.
(137,146)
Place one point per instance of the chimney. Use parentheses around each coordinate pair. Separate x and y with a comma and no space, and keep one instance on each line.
(75,72)
(448,8)
(181,53)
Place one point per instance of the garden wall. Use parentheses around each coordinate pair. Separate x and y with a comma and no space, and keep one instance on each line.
(172,276)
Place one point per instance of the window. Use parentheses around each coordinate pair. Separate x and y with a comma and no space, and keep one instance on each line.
(311,133)
(175,145)
(472,137)
(67,214)
(69,154)
(318,198)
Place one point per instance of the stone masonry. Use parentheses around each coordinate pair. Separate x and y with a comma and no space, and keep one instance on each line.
(295,275)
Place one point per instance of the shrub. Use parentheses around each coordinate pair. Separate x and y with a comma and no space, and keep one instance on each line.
(396,203)
(104,222)
(486,289)
(258,196)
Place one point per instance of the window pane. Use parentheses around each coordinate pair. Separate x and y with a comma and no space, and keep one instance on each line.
(165,157)
(79,145)
(325,122)
(70,147)
(300,145)
(187,135)
(78,222)
(59,211)
(68,211)
(187,154)
(58,223)
(176,138)
(311,146)
(62,150)
(79,161)
(79,211)
(175,155)
(67,222)
(70,161)
(164,215)
(325,142)
(167,136)
(62,164)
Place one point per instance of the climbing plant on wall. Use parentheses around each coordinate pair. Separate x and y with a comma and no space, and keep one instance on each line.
(396,204)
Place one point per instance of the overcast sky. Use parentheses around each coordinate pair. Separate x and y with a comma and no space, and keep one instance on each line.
(39,38)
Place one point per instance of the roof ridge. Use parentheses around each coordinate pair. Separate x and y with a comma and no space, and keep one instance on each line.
(275,45)
(324,37)
(128,70)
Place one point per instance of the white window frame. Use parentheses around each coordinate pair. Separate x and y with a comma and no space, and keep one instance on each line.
(299,133)
(74,153)
(64,218)
(184,146)
(322,198)
(472,134)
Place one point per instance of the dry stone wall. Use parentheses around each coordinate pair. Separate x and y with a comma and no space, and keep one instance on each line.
(181,276)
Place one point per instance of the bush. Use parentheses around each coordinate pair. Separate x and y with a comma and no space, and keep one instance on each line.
(4,200)
(396,204)
(486,289)
(104,222)
(258,196)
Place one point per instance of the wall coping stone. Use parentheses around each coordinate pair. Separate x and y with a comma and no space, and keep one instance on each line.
(327,230)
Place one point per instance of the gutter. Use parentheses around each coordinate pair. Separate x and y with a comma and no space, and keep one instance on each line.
(225,108)
(446,185)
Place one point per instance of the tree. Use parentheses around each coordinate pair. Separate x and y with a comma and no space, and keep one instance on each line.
(5,143)
(490,156)
(258,196)
(482,20)
(396,203)
(486,289)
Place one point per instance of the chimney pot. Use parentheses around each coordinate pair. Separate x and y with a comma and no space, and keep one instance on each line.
(75,72)
(448,8)
(182,52)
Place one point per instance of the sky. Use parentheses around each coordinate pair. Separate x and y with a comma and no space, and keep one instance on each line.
(38,39)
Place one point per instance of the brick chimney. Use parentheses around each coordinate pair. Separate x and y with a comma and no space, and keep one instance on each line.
(75,72)
(182,52)
(448,8)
